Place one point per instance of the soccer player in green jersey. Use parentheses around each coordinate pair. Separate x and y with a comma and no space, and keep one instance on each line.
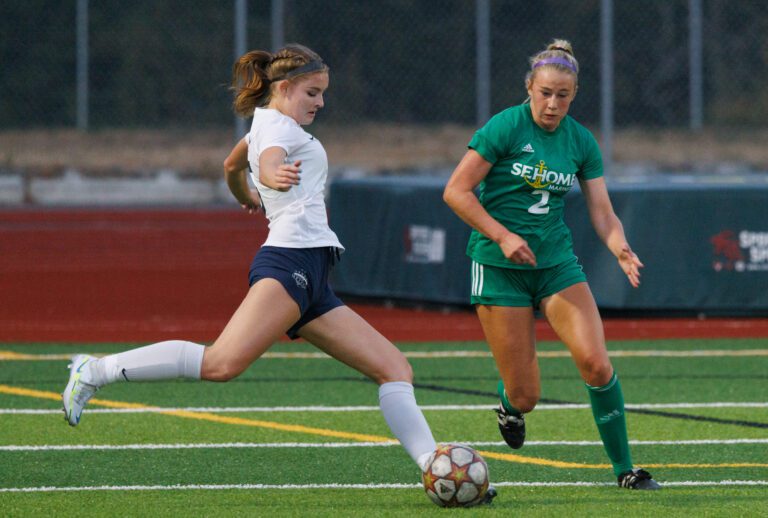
(524,160)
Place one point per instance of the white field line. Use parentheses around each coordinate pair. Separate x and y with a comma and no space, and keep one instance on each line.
(365,408)
(247,445)
(179,487)
(16,356)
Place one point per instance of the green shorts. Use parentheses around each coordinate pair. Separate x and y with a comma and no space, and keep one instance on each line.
(522,288)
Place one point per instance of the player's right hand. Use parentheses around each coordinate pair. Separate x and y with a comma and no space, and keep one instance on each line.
(516,249)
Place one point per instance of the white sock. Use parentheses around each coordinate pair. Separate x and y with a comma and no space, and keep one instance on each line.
(404,417)
(160,361)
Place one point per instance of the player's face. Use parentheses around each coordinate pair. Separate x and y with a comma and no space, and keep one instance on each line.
(551,93)
(303,97)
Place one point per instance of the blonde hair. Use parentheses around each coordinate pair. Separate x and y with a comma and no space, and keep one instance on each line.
(558,55)
(254,73)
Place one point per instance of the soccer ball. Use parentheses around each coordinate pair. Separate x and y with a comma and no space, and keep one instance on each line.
(455,476)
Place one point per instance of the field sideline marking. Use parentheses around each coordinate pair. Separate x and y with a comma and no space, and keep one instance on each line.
(371,408)
(207,416)
(332,445)
(179,487)
(15,356)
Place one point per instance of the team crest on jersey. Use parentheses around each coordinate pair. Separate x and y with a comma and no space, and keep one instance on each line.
(300,277)
(539,177)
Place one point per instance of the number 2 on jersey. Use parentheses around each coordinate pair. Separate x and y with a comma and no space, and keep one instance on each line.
(540,207)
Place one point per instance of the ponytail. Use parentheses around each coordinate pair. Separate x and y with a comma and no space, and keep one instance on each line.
(250,82)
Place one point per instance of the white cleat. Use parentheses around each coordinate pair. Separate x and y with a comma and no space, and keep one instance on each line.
(78,391)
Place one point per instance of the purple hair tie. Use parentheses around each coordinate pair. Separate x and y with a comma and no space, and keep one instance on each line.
(555,61)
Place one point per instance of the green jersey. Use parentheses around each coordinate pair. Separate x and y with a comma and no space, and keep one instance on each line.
(532,170)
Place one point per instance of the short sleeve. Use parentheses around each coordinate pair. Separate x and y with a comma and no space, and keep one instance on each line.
(272,129)
(492,140)
(592,164)
(280,135)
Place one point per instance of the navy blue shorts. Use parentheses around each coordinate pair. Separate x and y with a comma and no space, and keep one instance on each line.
(303,272)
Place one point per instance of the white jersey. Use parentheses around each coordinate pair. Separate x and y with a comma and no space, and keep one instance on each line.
(297,217)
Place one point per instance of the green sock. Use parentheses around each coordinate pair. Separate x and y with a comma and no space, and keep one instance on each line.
(505,401)
(608,411)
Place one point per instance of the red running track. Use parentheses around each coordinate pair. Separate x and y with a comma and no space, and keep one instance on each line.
(148,275)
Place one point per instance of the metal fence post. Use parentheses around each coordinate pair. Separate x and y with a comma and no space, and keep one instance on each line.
(606,83)
(695,57)
(82,65)
(241,23)
(483,54)
(278,24)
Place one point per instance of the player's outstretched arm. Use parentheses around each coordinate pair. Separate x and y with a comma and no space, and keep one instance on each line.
(275,173)
(609,228)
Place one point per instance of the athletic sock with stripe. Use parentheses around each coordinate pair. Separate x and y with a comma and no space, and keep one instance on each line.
(161,361)
(608,411)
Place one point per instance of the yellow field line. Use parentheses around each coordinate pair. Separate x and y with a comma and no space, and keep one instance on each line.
(511,457)
(520,459)
(16,356)
(205,416)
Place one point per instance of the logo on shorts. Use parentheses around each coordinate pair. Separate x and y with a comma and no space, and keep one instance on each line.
(300,276)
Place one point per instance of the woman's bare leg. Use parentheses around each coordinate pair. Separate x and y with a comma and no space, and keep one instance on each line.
(346,336)
(573,315)
(263,317)
(510,335)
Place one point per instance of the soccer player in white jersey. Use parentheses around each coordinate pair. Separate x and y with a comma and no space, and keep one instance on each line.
(289,290)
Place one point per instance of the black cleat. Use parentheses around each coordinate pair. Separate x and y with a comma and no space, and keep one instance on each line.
(638,479)
(490,494)
(511,425)
(512,428)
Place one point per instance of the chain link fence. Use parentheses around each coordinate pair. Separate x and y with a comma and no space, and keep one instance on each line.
(408,67)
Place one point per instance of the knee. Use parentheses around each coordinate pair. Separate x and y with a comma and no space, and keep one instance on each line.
(596,371)
(399,370)
(220,370)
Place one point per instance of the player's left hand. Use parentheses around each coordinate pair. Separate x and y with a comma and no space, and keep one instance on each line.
(631,265)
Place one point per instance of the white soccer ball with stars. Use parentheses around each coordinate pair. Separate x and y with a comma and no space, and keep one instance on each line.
(455,476)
